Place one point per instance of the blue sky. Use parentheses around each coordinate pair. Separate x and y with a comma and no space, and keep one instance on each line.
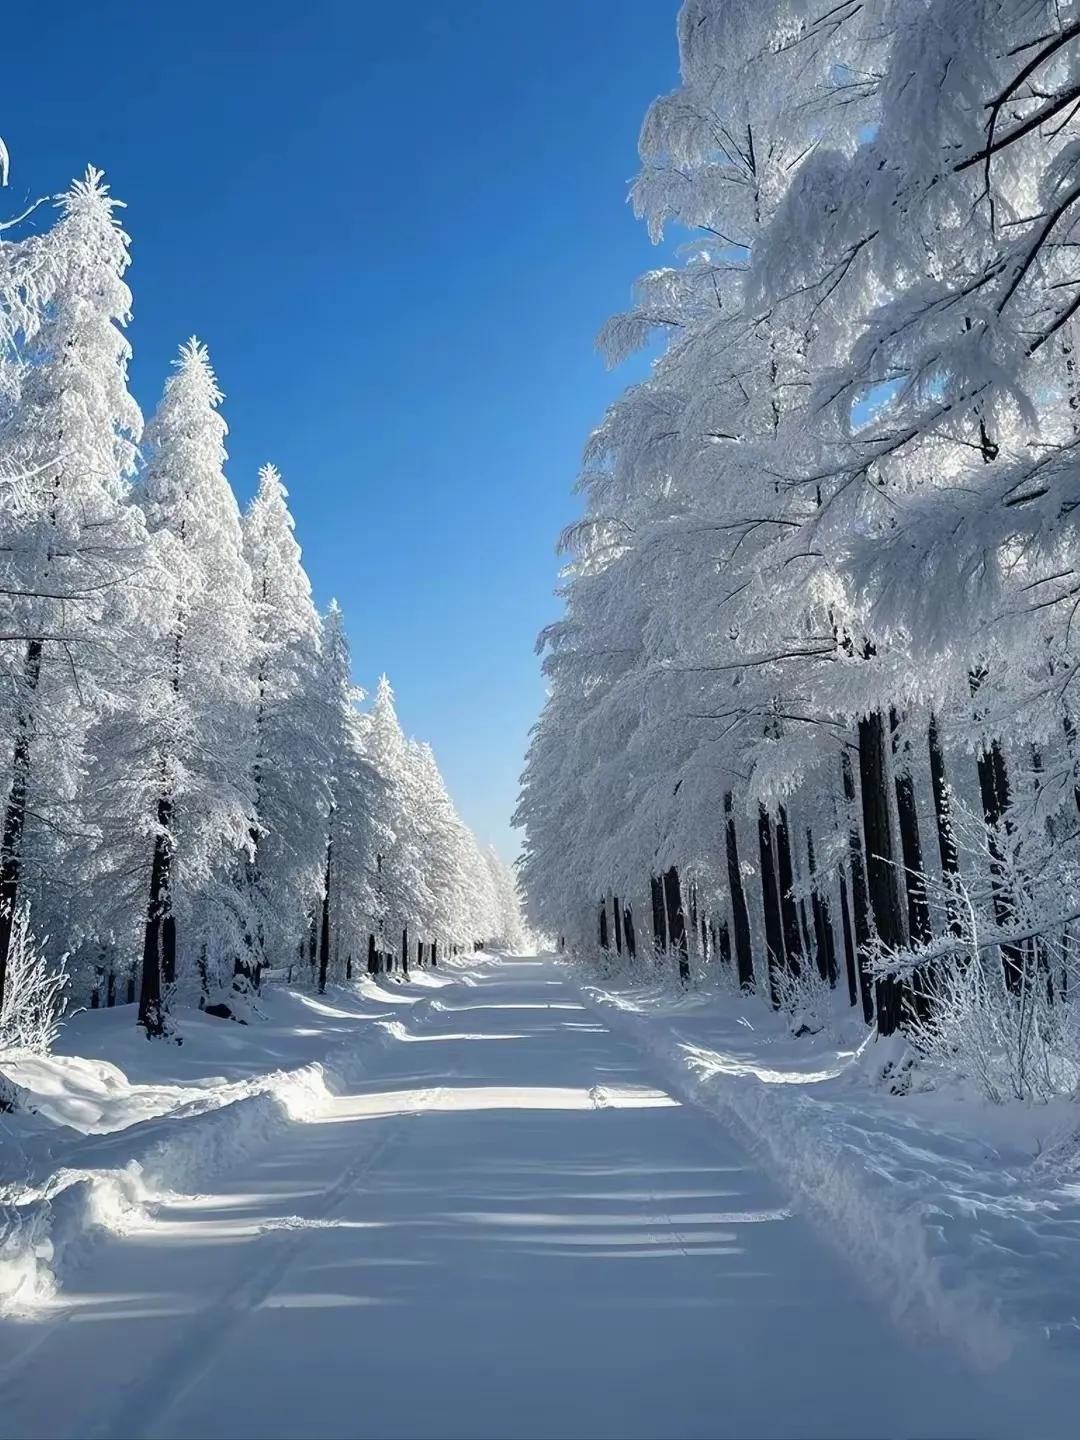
(398,228)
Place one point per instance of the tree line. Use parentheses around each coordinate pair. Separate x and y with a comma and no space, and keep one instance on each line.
(811,716)
(191,796)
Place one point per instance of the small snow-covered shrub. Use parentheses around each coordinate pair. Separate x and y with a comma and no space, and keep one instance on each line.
(808,1001)
(34,999)
(1014,1044)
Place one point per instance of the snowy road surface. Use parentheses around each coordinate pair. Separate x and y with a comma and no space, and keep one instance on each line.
(505,1230)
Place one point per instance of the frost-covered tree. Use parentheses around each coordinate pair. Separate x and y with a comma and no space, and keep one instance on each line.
(822,589)
(193,711)
(291,765)
(72,551)
(510,932)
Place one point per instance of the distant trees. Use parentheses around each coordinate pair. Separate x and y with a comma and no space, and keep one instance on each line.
(189,795)
(819,611)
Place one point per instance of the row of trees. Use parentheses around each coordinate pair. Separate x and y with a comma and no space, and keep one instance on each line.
(811,706)
(190,794)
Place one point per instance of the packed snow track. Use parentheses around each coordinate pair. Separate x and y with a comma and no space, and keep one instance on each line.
(505,1230)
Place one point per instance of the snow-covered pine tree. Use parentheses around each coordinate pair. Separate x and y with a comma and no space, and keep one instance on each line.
(291,764)
(71,552)
(194,711)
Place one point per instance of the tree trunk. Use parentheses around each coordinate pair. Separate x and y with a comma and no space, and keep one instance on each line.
(405,951)
(789,913)
(722,942)
(770,901)
(324,925)
(372,955)
(676,921)
(659,924)
(168,942)
(994,791)
(860,902)
(995,795)
(603,925)
(880,864)
(947,851)
(435,954)
(849,943)
(616,915)
(824,942)
(628,931)
(740,915)
(918,911)
(15,811)
(151,1001)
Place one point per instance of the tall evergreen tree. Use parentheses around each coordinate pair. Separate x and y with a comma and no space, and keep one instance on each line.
(291,764)
(71,550)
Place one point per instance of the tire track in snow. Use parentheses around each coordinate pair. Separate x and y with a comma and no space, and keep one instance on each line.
(186,1358)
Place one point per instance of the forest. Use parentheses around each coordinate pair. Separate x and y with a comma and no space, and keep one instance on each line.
(744,1103)
(192,798)
(812,719)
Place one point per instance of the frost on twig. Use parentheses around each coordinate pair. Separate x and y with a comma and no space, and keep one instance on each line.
(34,999)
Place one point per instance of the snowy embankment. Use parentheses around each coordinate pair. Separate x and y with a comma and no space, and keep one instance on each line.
(963,1215)
(111,1125)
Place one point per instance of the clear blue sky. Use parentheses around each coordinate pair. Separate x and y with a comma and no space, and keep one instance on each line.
(398,228)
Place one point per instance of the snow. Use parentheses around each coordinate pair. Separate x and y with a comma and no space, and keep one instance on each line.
(464,1205)
(965,1216)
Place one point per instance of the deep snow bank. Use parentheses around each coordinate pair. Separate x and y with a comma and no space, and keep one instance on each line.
(112,1124)
(964,1216)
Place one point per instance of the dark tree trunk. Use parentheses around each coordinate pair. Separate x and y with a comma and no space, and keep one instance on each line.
(770,901)
(880,863)
(676,921)
(372,955)
(789,913)
(151,1001)
(348,966)
(659,924)
(849,943)
(603,925)
(995,795)
(740,915)
(860,900)
(947,851)
(918,911)
(435,954)
(405,952)
(15,811)
(994,791)
(628,932)
(616,915)
(168,943)
(722,942)
(824,941)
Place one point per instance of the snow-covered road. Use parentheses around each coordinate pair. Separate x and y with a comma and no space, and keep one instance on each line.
(505,1230)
